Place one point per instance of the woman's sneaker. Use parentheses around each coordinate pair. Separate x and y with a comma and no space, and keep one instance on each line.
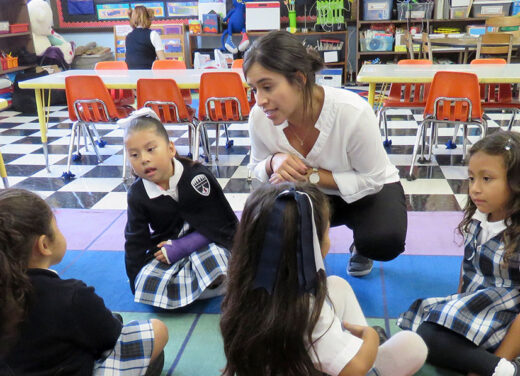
(358,265)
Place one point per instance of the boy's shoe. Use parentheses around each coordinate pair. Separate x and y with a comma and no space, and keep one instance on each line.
(358,265)
(155,368)
(118,316)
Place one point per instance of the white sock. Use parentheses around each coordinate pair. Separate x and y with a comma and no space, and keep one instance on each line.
(403,354)
(504,368)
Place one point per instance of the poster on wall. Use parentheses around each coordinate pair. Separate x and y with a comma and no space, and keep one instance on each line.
(107,12)
(81,6)
(157,7)
(183,9)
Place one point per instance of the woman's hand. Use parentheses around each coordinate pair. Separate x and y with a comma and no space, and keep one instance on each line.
(287,167)
(159,256)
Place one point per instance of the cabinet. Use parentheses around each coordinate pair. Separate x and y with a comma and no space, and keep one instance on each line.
(210,40)
(15,11)
(394,56)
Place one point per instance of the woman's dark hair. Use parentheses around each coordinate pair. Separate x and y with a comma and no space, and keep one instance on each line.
(270,334)
(283,53)
(506,145)
(142,123)
(24,216)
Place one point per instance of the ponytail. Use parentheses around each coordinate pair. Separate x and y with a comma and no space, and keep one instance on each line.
(24,216)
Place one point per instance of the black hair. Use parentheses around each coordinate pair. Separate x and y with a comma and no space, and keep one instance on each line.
(506,145)
(283,53)
(24,216)
(270,334)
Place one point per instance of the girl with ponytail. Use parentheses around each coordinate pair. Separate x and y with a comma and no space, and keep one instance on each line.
(301,131)
(54,326)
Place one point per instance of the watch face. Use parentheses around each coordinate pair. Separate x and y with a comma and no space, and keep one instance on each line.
(314,178)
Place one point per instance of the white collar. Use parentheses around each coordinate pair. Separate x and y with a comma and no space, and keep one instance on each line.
(154,190)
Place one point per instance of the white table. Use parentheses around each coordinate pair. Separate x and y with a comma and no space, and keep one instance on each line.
(389,73)
(113,79)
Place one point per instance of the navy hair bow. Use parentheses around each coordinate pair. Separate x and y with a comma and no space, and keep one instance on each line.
(309,259)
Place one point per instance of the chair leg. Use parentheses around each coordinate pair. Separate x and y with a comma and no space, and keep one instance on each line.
(101,143)
(190,142)
(3,172)
(229,142)
(89,133)
(85,139)
(510,125)
(73,133)
(464,141)
(423,149)
(415,150)
(124,165)
(382,117)
(217,129)
(432,140)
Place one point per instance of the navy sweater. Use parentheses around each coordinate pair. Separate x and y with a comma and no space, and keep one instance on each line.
(67,328)
(210,215)
(140,52)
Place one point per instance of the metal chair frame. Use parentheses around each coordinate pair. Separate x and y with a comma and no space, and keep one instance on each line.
(201,127)
(432,119)
(3,172)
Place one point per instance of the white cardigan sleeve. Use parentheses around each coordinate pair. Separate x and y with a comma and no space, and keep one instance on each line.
(260,153)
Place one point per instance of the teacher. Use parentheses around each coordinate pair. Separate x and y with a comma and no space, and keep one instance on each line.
(301,131)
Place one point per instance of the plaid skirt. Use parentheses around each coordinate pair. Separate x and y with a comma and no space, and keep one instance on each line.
(131,354)
(177,285)
(482,316)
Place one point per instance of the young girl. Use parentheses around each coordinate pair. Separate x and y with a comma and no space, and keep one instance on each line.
(143,45)
(281,315)
(477,330)
(301,131)
(54,326)
(180,224)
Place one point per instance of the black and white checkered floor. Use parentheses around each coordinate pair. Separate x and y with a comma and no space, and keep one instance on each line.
(441,184)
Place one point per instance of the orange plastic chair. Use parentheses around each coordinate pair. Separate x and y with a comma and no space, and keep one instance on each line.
(3,172)
(454,98)
(237,63)
(174,64)
(89,102)
(404,96)
(498,96)
(222,100)
(121,97)
(165,98)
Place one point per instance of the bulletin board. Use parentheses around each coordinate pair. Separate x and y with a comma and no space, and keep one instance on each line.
(108,13)
(172,36)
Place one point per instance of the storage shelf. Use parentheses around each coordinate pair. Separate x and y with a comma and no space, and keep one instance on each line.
(420,20)
(12,35)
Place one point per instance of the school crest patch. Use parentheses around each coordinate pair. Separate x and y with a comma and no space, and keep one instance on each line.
(201,184)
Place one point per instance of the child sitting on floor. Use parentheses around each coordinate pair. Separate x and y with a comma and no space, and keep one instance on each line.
(282,315)
(180,225)
(54,326)
(477,329)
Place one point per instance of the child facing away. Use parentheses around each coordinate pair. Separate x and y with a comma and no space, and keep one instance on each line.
(282,315)
(54,326)
(143,45)
(477,330)
(180,225)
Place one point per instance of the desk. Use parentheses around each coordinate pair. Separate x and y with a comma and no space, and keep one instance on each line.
(113,79)
(487,73)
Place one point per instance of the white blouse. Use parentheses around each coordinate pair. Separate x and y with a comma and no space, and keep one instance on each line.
(349,145)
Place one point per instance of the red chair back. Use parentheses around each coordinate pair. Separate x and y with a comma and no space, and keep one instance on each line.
(166,91)
(168,64)
(237,63)
(460,85)
(111,65)
(408,94)
(222,85)
(91,93)
(494,93)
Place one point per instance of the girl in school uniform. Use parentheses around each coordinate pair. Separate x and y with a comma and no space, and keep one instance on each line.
(281,314)
(180,225)
(477,330)
(143,45)
(54,326)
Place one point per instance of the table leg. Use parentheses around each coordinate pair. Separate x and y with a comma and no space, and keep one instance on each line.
(39,95)
(371,93)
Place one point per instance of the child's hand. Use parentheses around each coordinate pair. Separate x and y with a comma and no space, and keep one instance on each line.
(159,256)
(356,330)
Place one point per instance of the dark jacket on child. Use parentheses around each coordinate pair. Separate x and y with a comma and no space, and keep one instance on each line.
(67,328)
(140,52)
(151,221)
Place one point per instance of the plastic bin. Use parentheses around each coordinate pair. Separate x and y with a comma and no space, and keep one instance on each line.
(19,28)
(330,77)
(414,10)
(374,10)
(458,12)
(490,8)
(376,44)
(515,9)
